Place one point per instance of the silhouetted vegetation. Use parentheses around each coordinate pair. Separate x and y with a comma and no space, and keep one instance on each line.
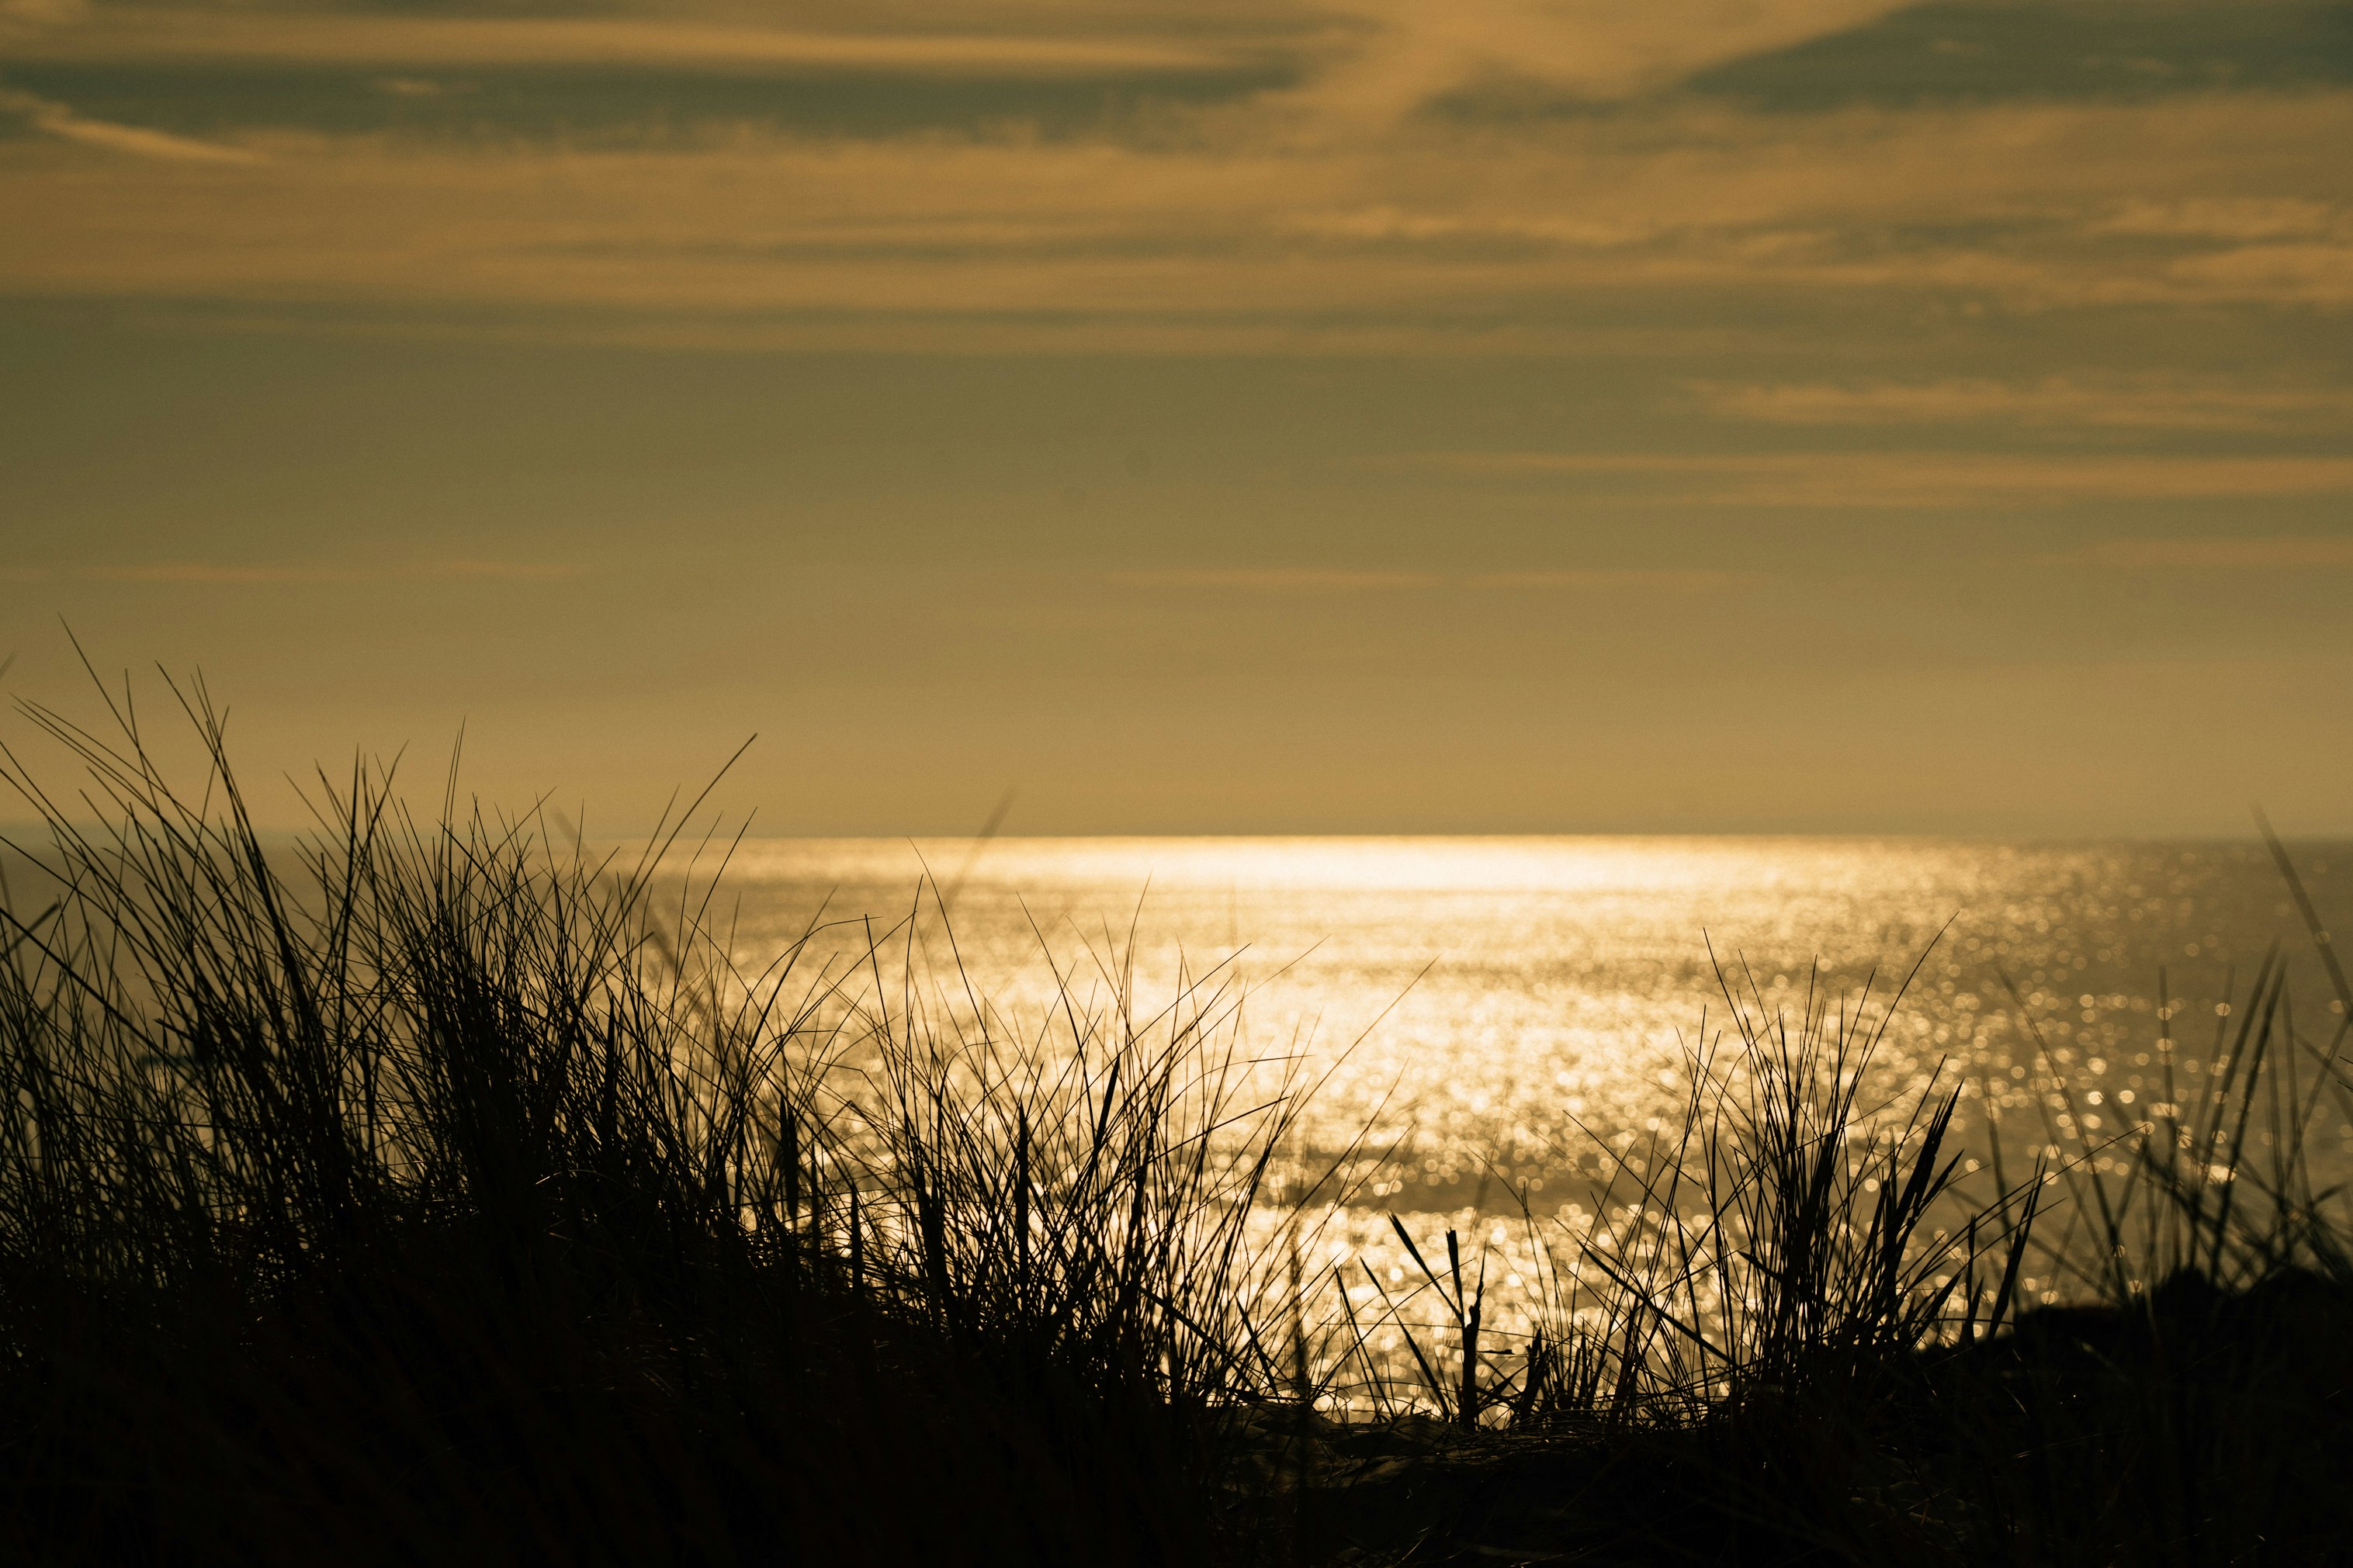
(1791,1340)
(443,1192)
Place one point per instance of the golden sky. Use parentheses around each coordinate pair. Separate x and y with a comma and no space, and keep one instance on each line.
(1487,415)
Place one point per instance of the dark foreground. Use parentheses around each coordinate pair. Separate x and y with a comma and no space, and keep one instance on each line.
(2210,1430)
(430,1198)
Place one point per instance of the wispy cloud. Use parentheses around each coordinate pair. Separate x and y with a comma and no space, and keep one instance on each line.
(301,572)
(21,19)
(1319,581)
(133,35)
(522,571)
(1232,233)
(56,119)
(2310,274)
(1278,580)
(2274,553)
(1911,479)
(2137,402)
(2241,218)
(1602,580)
(1330,219)
(1403,54)
(1363,61)
(206,572)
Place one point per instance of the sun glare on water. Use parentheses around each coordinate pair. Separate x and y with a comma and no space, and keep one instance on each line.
(1498,1006)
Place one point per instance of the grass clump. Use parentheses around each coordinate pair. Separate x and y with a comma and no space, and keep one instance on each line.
(1805,1327)
(424,1193)
(441,1191)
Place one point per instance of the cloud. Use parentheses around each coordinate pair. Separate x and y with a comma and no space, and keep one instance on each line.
(21,19)
(143,36)
(1231,232)
(1318,582)
(267,573)
(1278,580)
(1215,232)
(1996,50)
(2134,401)
(1612,581)
(204,571)
(56,119)
(2275,553)
(519,571)
(1365,60)
(1392,223)
(2313,273)
(1908,481)
(1403,54)
(2237,218)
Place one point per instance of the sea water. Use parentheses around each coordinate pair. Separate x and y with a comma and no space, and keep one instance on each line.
(1497,1006)
(1501,1028)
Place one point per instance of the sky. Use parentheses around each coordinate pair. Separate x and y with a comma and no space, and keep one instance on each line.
(1198,417)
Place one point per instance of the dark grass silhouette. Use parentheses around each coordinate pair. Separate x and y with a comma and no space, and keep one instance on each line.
(441,1191)
(424,1196)
(1797,1341)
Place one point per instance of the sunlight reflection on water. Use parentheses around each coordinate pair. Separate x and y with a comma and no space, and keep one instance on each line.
(1497,1002)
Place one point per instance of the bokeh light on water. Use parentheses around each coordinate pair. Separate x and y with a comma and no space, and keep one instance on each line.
(1495,1005)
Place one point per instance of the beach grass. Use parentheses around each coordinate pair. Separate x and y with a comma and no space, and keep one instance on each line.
(438,1189)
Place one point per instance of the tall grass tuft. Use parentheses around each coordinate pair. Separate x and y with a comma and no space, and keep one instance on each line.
(442,1190)
(1804,1324)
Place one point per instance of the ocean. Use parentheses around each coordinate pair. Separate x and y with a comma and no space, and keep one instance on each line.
(1495,1006)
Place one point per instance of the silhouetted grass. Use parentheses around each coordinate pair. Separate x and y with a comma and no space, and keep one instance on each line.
(1789,1336)
(425,1195)
(442,1192)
